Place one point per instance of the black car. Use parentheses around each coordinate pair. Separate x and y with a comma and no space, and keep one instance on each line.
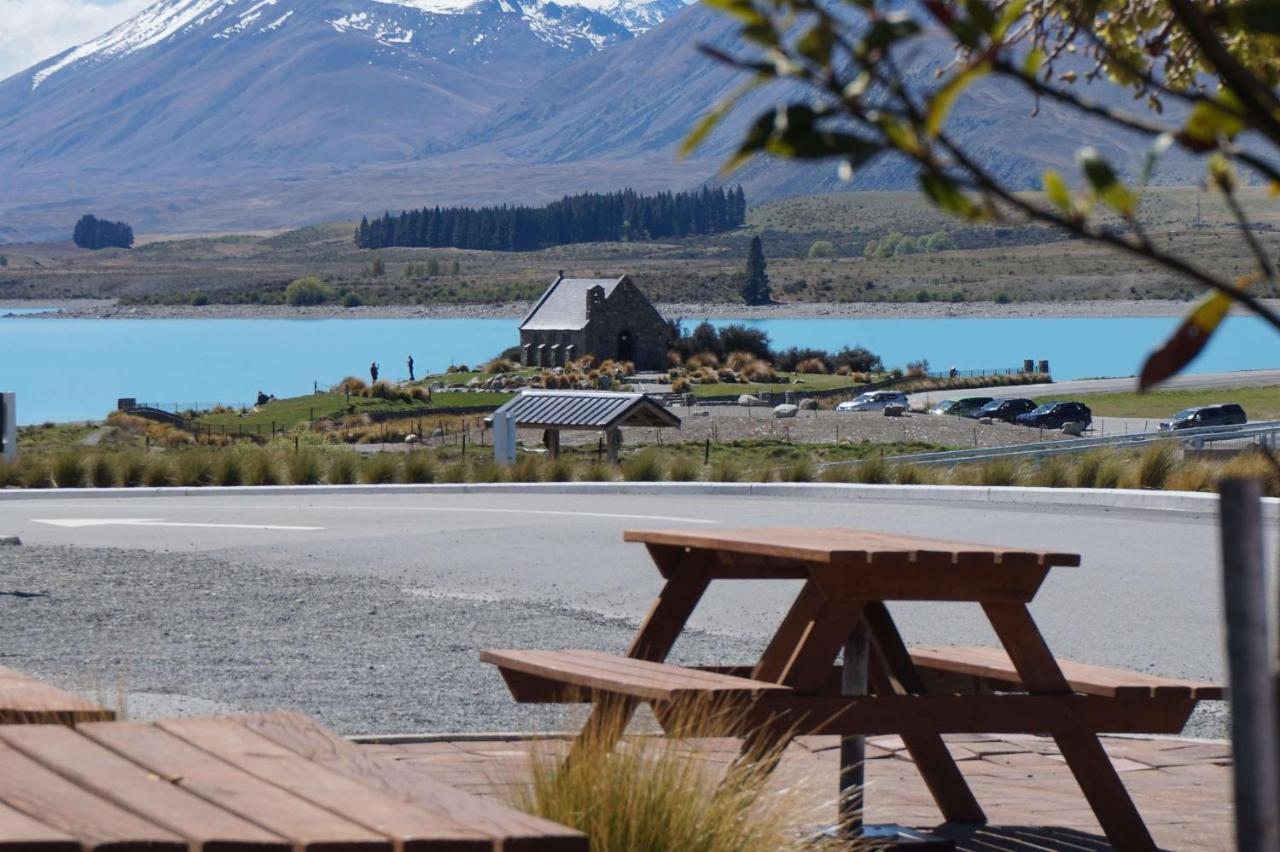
(1227,414)
(1052,415)
(960,407)
(1007,410)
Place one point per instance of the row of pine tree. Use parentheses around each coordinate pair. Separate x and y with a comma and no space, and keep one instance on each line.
(589,217)
(94,233)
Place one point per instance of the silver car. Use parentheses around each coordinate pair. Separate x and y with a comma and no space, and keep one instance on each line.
(874,401)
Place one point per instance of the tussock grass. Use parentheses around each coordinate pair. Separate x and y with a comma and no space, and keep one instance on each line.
(800,470)
(644,466)
(1052,472)
(527,469)
(872,471)
(34,472)
(132,468)
(1156,463)
(304,468)
(158,473)
(684,469)
(598,471)
(261,469)
(1088,466)
(908,473)
(9,475)
(653,794)
(103,472)
(558,470)
(68,470)
(725,470)
(1192,475)
(380,469)
(418,468)
(1000,472)
(965,474)
(1113,472)
(454,472)
(343,469)
(1251,463)
(194,470)
(486,470)
(229,471)
(841,473)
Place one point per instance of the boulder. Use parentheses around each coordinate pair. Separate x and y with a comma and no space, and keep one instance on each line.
(783,411)
(439,433)
(1073,429)
(750,401)
(986,421)
(701,412)
(808,405)
(411,439)
(894,410)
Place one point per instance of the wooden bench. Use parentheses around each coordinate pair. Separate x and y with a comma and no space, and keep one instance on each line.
(985,668)
(25,700)
(271,782)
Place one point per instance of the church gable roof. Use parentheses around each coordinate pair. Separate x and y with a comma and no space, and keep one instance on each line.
(564,306)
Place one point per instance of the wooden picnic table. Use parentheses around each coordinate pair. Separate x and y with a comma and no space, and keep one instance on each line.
(26,700)
(271,782)
(796,687)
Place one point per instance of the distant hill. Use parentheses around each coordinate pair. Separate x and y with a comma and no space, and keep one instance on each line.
(217,115)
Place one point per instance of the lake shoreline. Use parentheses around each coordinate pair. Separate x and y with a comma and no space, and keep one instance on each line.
(690,312)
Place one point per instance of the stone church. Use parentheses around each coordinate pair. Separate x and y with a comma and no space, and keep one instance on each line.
(594,316)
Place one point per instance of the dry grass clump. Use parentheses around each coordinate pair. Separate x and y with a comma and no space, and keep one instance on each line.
(343,469)
(872,471)
(1113,472)
(725,470)
(419,468)
(193,469)
(351,385)
(1251,463)
(158,473)
(304,468)
(644,466)
(102,472)
(598,471)
(1000,472)
(380,469)
(737,361)
(800,470)
(812,366)
(229,471)
(527,469)
(965,474)
(840,473)
(132,468)
(703,359)
(1088,466)
(8,474)
(1156,463)
(486,470)
(1052,472)
(655,794)
(261,469)
(68,470)
(759,372)
(684,469)
(500,365)
(681,385)
(558,470)
(1192,475)
(908,473)
(34,472)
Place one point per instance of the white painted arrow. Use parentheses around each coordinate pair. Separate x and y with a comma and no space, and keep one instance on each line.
(77,523)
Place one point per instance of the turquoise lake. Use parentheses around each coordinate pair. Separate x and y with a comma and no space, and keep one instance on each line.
(73,369)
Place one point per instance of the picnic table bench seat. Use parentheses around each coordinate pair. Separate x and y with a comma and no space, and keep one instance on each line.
(536,676)
(26,700)
(992,667)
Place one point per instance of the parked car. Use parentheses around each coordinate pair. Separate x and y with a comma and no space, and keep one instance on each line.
(960,406)
(1052,415)
(1226,414)
(1007,410)
(874,401)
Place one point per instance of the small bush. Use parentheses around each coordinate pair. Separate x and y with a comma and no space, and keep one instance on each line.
(102,472)
(158,473)
(132,468)
(380,469)
(304,468)
(681,385)
(342,468)
(351,300)
(306,291)
(419,468)
(500,365)
(350,384)
(1156,464)
(644,466)
(725,470)
(812,366)
(229,471)
(261,469)
(873,471)
(1052,472)
(684,469)
(821,249)
(68,470)
(194,470)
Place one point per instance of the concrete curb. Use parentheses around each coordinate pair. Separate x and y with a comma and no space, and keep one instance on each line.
(1094,498)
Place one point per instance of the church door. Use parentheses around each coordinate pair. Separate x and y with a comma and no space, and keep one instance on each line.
(626,348)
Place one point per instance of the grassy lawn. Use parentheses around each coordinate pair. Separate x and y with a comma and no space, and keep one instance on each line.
(1260,403)
(287,413)
(50,436)
(807,381)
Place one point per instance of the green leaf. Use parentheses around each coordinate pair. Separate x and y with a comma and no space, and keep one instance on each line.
(1256,17)
(743,10)
(1012,12)
(946,195)
(1209,120)
(1186,342)
(945,97)
(981,15)
(1032,64)
(1055,189)
(816,44)
(1106,186)
(884,32)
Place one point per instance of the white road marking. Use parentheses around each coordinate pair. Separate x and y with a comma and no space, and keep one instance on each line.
(79,523)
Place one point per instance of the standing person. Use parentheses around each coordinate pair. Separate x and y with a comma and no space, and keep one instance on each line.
(410,368)
(373,371)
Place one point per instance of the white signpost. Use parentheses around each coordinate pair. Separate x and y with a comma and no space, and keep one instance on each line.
(9,427)
(504,439)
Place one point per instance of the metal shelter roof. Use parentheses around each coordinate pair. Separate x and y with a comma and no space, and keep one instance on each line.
(563,307)
(585,410)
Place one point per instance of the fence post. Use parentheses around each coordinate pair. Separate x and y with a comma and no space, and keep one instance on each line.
(1251,677)
(706,452)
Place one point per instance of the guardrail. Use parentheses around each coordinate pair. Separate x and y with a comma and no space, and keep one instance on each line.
(1266,433)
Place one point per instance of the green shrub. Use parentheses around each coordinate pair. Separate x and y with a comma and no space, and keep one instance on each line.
(306,291)
(351,300)
(228,472)
(158,473)
(1156,464)
(684,469)
(821,249)
(194,470)
(380,469)
(132,468)
(68,470)
(725,470)
(644,466)
(342,468)
(304,468)
(872,471)
(261,469)
(1052,472)
(102,471)
(419,467)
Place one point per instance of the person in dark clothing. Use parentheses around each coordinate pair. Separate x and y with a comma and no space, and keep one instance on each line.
(263,399)
(373,372)
(410,368)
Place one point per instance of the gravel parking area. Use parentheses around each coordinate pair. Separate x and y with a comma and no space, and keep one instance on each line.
(169,634)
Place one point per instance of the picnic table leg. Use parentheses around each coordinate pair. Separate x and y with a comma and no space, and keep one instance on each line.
(668,616)
(929,752)
(1088,760)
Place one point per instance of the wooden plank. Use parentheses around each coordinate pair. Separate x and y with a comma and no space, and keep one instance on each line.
(1093,770)
(156,798)
(805,611)
(593,670)
(892,672)
(43,795)
(415,828)
(303,824)
(994,664)
(908,581)
(520,832)
(26,700)
(20,832)
(847,546)
(686,583)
